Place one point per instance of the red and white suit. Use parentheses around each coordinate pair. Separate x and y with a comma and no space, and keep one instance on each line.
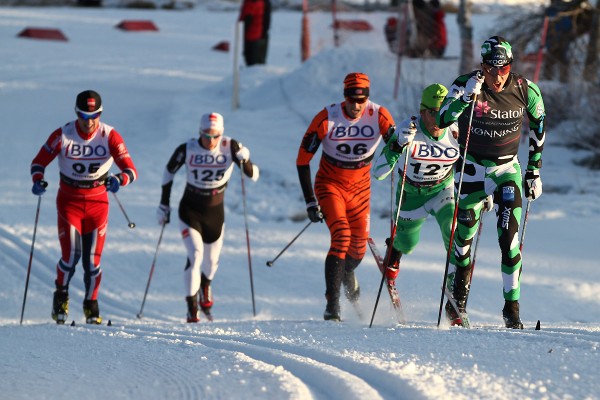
(84,162)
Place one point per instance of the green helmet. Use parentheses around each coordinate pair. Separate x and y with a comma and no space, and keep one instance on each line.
(496,51)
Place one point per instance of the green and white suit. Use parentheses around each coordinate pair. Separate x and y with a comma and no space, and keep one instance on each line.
(429,188)
(492,166)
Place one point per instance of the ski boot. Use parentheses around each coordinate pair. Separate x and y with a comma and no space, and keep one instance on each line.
(510,313)
(453,318)
(393,268)
(391,272)
(332,310)
(351,287)
(335,269)
(192,314)
(462,284)
(91,312)
(60,306)
(206,298)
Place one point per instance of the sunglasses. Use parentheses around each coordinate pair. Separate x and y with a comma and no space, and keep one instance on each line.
(209,136)
(86,117)
(357,100)
(500,70)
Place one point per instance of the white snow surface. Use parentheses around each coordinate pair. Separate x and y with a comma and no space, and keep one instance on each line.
(155,86)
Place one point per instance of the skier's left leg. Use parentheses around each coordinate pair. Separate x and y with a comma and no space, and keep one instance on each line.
(93,228)
(508,198)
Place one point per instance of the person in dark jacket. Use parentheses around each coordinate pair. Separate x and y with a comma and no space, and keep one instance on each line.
(256,15)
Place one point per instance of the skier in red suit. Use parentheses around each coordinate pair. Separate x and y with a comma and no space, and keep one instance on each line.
(86,149)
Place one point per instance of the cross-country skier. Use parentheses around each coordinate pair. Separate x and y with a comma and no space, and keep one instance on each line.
(429,183)
(349,132)
(492,166)
(85,149)
(209,164)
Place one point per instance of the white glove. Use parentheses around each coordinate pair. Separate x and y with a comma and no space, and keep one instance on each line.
(163,214)
(488,203)
(473,87)
(532,184)
(406,132)
(243,154)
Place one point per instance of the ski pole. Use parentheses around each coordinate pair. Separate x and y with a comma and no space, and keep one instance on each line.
(453,229)
(523,235)
(391,203)
(475,251)
(129,223)
(248,239)
(476,245)
(524,226)
(162,229)
(270,262)
(393,235)
(37,215)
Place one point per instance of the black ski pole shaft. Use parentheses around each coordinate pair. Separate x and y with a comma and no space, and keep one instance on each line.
(476,246)
(271,262)
(524,226)
(523,235)
(248,239)
(457,197)
(377,298)
(130,224)
(475,251)
(37,216)
(162,229)
(393,234)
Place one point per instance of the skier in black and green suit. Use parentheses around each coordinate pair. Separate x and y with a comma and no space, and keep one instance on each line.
(492,166)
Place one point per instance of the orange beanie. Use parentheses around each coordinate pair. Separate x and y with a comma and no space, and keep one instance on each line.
(356,84)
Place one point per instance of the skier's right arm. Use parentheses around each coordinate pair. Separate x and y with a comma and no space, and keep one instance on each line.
(175,162)
(47,153)
(399,136)
(454,104)
(309,146)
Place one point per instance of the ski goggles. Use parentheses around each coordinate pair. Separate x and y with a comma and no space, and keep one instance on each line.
(86,116)
(357,100)
(490,69)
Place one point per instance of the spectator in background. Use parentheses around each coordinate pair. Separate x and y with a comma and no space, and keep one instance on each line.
(424,24)
(256,15)
(438,37)
(562,31)
(431,35)
(391,34)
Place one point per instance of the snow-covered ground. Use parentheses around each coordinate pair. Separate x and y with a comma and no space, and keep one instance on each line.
(155,86)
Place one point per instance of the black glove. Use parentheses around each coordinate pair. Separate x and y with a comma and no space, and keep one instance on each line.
(314,212)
